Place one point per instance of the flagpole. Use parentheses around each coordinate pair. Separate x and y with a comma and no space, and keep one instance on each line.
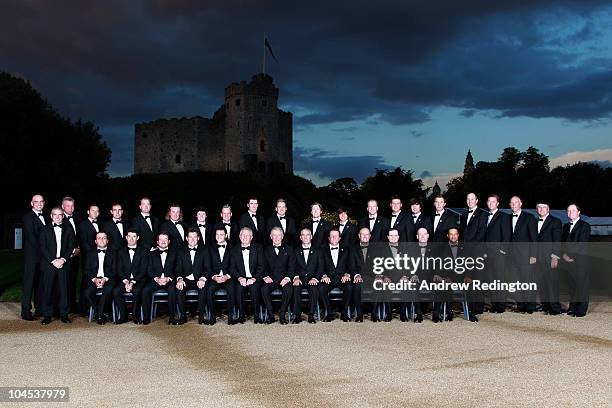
(264,54)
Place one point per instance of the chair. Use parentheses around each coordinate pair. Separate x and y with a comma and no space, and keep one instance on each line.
(91,309)
(129,298)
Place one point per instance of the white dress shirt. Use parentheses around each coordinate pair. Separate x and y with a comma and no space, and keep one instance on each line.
(245,261)
(40,216)
(515,220)
(101,256)
(437,219)
(58,240)
(334,254)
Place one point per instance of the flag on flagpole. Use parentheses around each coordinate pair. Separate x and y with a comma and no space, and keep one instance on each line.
(269,47)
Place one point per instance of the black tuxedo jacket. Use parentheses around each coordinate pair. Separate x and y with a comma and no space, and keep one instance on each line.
(176,241)
(343,266)
(413,226)
(348,237)
(109,267)
(32,227)
(448,219)
(168,269)
(256,261)
(136,270)
(384,251)
(259,232)
(476,229)
(549,239)
(77,221)
(414,250)
(498,233)
(290,237)
(574,243)
(216,264)
(234,231)
(87,236)
(380,230)
(48,246)
(197,268)
(320,237)
(279,266)
(401,225)
(115,239)
(146,235)
(360,266)
(311,269)
(209,237)
(523,238)
(443,250)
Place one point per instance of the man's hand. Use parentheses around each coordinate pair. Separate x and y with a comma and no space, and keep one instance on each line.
(437,278)
(532,260)
(313,282)
(554,262)
(267,279)
(414,278)
(128,287)
(345,278)
(75,252)
(297,282)
(180,284)
(99,282)
(357,279)
(325,279)
(250,281)
(284,281)
(566,258)
(58,263)
(242,281)
(201,283)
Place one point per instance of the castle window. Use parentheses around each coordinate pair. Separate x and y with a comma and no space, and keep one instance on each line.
(264,102)
(262,146)
(177,159)
(238,102)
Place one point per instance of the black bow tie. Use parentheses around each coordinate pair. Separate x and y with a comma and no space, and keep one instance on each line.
(57,225)
(364,246)
(254,215)
(470,211)
(94,221)
(372,218)
(118,222)
(313,221)
(193,249)
(39,214)
(68,217)
(281,218)
(176,222)
(305,249)
(490,213)
(540,219)
(515,215)
(132,249)
(437,215)
(220,245)
(414,216)
(571,223)
(454,245)
(146,216)
(201,225)
(246,248)
(276,247)
(334,248)
(162,251)
(102,251)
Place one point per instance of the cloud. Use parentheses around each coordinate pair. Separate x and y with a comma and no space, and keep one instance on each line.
(328,165)
(424,174)
(599,155)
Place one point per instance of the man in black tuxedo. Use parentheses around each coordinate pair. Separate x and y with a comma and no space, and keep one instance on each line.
(308,272)
(421,248)
(443,220)
(73,221)
(115,227)
(497,237)
(205,229)
(191,275)
(57,243)
(522,253)
(281,220)
(101,272)
(337,273)
(33,223)
(279,270)
(132,268)
(231,228)
(548,253)
(472,230)
(417,220)
(378,225)
(220,276)
(575,237)
(361,263)
(146,225)
(319,226)
(254,221)
(161,276)
(173,227)
(348,230)
(399,219)
(247,263)
(87,230)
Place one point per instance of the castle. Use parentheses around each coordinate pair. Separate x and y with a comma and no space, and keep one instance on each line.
(247,133)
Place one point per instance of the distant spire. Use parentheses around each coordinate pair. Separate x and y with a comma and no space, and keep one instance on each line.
(436,190)
(468,169)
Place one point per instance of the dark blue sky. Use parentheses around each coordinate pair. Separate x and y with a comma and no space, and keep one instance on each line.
(371,85)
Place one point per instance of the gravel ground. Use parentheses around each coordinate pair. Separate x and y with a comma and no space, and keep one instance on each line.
(504,360)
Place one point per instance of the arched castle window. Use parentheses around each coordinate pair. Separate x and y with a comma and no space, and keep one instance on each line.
(262,145)
(177,159)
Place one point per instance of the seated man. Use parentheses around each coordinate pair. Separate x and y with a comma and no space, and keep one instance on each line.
(278,273)
(220,276)
(361,262)
(308,273)
(100,271)
(336,274)
(132,266)
(247,266)
(191,274)
(161,275)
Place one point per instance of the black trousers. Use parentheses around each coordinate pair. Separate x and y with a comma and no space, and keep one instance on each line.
(523,271)
(147,297)
(324,290)
(254,291)
(118,293)
(181,297)
(51,277)
(72,282)
(313,297)
(32,287)
(99,304)
(548,285)
(266,295)
(356,301)
(211,287)
(578,286)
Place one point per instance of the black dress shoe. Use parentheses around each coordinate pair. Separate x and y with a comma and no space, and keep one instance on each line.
(450,316)
(311,319)
(374,318)
(120,321)
(172,321)
(473,318)
(297,320)
(182,320)
(257,320)
(101,320)
(232,322)
(137,321)
(270,320)
(359,319)
(435,317)
(27,317)
(146,322)
(45,321)
(388,317)
(418,318)
(65,319)
(345,318)
(241,320)
(328,319)
(282,320)
(402,318)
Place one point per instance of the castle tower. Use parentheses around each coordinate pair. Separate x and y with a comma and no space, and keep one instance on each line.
(468,168)
(257,133)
